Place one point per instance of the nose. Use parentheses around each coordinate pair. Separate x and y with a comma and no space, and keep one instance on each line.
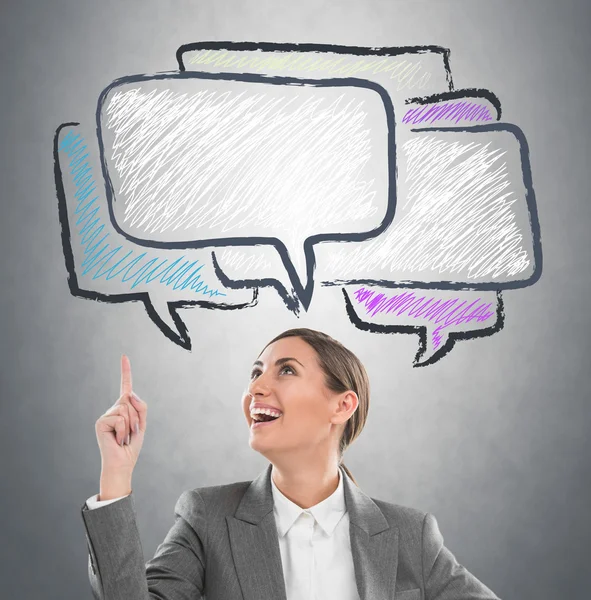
(258,386)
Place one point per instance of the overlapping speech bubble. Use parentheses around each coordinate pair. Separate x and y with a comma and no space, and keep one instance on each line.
(296,164)
(438,317)
(465,217)
(103,266)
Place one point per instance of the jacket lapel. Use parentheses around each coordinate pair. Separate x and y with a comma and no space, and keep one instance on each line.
(254,542)
(374,545)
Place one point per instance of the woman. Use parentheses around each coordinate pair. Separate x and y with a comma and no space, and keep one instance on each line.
(301,530)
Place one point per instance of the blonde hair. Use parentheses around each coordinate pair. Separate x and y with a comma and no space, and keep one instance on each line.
(343,372)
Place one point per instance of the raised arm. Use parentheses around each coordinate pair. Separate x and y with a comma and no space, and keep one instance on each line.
(116,566)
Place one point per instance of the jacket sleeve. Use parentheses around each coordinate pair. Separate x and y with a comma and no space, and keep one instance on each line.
(93,503)
(116,567)
(444,578)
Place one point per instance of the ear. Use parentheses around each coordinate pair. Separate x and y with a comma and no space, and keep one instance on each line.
(347,405)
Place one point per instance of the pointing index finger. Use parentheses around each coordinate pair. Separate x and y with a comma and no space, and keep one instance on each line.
(125,375)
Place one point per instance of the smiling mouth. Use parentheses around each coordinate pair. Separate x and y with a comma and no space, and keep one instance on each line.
(267,421)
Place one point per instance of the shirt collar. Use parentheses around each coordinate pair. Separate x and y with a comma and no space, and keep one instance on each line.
(327,513)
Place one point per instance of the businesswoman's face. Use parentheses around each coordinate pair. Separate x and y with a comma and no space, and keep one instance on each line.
(288,378)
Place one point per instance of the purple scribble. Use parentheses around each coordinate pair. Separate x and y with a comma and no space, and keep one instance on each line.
(447,111)
(426,308)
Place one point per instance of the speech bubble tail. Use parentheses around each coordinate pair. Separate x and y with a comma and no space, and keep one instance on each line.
(281,284)
(434,344)
(165,317)
(299,271)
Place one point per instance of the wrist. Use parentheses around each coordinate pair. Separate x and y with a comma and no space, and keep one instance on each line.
(114,485)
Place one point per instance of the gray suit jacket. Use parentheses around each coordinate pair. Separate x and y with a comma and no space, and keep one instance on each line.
(224,545)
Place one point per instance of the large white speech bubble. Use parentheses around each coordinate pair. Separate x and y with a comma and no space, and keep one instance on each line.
(197,160)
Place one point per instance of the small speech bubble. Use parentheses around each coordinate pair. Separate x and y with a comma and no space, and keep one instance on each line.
(104,266)
(196,160)
(438,317)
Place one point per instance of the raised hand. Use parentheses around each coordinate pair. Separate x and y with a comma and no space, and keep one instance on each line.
(120,435)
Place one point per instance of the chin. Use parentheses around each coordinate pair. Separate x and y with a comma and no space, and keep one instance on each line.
(260,449)
(258,445)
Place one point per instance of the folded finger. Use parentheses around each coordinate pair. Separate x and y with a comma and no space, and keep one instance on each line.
(141,409)
(133,415)
(116,423)
(121,408)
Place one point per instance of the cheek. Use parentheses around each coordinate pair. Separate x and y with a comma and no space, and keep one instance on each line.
(245,405)
(311,412)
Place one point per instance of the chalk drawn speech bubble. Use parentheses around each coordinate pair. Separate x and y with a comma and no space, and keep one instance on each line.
(289,165)
(439,317)
(195,160)
(401,70)
(103,266)
(466,217)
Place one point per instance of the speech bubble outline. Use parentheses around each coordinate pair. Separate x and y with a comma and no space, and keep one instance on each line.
(425,348)
(532,219)
(307,48)
(461,94)
(175,330)
(291,301)
(303,292)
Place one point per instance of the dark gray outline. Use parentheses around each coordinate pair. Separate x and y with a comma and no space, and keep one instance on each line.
(324,48)
(459,95)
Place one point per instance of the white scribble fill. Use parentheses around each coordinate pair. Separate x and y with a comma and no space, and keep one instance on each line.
(216,159)
(456,218)
(231,161)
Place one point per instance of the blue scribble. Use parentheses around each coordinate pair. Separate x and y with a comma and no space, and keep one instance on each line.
(99,257)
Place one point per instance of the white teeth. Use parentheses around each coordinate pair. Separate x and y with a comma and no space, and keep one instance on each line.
(265,411)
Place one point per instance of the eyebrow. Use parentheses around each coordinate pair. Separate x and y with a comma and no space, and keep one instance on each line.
(279,361)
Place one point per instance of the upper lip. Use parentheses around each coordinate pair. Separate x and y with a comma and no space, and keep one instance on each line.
(262,405)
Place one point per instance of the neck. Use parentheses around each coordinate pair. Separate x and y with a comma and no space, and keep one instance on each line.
(306,484)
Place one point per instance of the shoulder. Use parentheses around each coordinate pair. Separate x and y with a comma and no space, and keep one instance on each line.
(404,516)
(417,532)
(414,526)
(409,521)
(211,501)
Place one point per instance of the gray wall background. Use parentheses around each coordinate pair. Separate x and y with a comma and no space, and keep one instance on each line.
(493,439)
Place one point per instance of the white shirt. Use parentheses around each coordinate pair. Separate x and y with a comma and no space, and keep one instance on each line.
(315,547)
(314,543)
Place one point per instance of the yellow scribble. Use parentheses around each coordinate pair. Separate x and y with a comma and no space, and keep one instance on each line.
(408,73)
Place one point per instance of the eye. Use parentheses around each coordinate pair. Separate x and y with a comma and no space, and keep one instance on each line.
(255,371)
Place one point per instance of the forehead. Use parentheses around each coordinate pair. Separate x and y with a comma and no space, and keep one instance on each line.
(289,347)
